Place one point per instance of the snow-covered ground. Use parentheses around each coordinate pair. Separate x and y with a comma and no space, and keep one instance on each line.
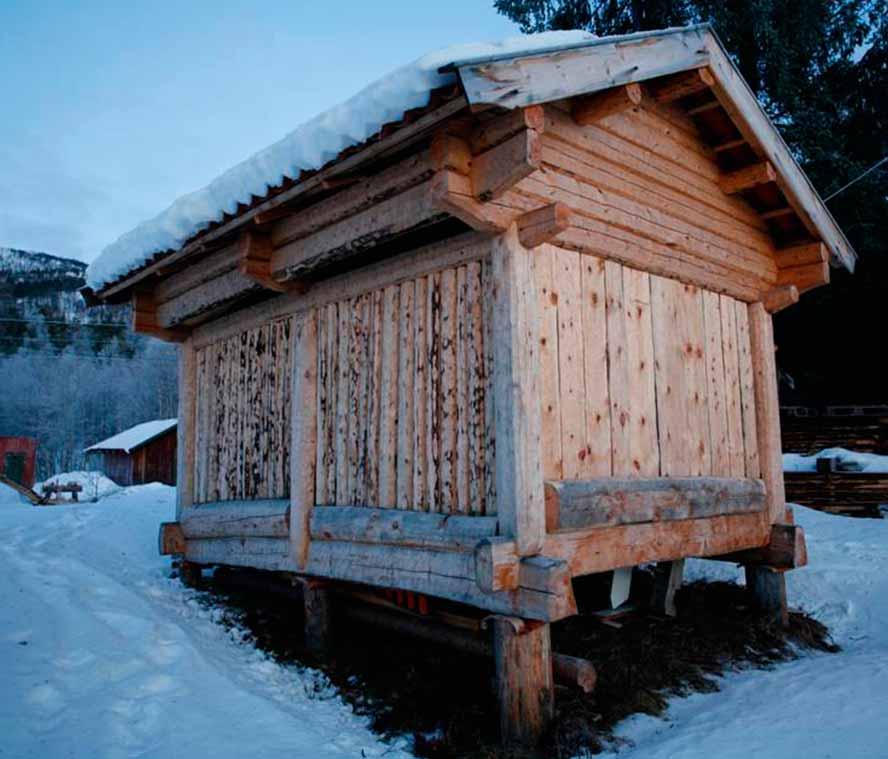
(102,655)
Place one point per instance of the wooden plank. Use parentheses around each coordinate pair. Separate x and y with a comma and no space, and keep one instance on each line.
(519,482)
(433,388)
(185,430)
(644,451)
(304,354)
(716,382)
(590,109)
(344,396)
(767,409)
(405,443)
(733,394)
(447,408)
(747,393)
(371,460)
(389,389)
(488,287)
(542,264)
(672,405)
(600,549)
(618,370)
(579,504)
(595,367)
(566,279)
(323,413)
(461,450)
(523,656)
(697,423)
(476,390)
(334,382)
(397,527)
(230,519)
(421,390)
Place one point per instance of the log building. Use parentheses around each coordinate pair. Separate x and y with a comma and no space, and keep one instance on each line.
(520,335)
(141,454)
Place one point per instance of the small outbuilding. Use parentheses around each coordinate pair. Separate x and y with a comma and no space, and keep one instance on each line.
(18,459)
(501,321)
(144,453)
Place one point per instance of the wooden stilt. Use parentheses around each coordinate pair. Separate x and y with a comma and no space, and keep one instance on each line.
(523,653)
(667,580)
(316,601)
(190,573)
(768,589)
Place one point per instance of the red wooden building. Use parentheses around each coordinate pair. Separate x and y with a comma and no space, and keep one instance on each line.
(144,453)
(17,459)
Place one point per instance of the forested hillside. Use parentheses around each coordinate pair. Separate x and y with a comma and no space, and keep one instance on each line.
(69,375)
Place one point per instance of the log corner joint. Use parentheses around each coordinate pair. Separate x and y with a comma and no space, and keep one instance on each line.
(254,253)
(145,319)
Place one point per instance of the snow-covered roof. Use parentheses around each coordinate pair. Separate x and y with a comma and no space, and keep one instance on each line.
(480,70)
(306,148)
(134,437)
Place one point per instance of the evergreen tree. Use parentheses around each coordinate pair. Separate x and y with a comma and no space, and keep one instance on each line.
(820,70)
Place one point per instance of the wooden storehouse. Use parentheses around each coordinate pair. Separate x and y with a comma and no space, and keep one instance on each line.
(520,335)
(141,454)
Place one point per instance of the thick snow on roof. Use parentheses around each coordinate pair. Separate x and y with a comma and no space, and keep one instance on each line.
(130,439)
(308,147)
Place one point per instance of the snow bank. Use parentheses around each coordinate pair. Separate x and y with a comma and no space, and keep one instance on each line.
(102,655)
(134,436)
(308,147)
(867,462)
(95,484)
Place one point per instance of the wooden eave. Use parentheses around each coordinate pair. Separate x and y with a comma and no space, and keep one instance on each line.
(561,74)
(280,201)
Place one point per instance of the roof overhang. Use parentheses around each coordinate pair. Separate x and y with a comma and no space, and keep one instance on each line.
(512,81)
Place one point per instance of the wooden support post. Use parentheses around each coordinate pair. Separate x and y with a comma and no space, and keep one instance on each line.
(667,580)
(523,654)
(767,410)
(186,426)
(591,109)
(519,478)
(190,573)
(303,433)
(747,178)
(316,601)
(768,589)
(778,298)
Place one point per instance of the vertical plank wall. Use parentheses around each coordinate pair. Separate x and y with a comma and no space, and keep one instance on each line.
(403,413)
(641,375)
(242,425)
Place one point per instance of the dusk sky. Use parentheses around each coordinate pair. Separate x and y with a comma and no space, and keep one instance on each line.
(111,111)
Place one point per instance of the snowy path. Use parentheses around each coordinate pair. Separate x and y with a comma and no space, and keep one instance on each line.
(102,656)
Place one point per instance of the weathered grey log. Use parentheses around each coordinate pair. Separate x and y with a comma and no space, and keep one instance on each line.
(576,504)
(237,519)
(260,553)
(523,655)
(567,670)
(768,589)
(400,527)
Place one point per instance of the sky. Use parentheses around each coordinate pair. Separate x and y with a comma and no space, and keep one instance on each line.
(110,111)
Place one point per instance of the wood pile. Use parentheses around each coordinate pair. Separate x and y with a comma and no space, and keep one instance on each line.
(810,434)
(848,493)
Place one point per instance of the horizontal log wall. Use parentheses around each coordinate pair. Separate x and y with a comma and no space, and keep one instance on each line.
(242,429)
(641,376)
(403,418)
(644,189)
